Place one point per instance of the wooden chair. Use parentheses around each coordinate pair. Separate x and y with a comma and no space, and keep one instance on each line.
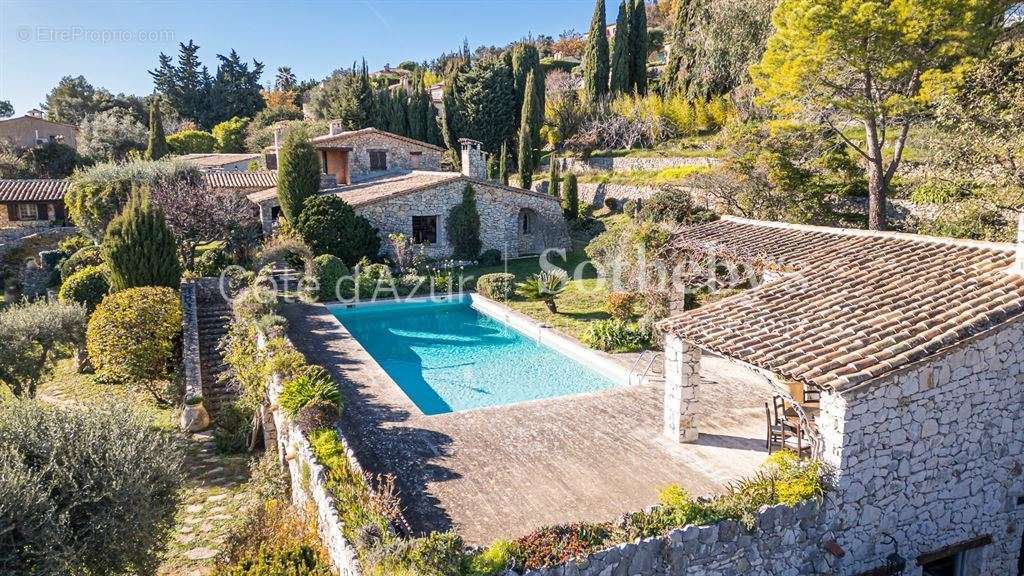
(776,435)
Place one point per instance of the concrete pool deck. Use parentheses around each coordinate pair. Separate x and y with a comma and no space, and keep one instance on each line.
(504,471)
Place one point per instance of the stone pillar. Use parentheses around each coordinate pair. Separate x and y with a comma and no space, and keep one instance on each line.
(682,378)
(1019,265)
(267,219)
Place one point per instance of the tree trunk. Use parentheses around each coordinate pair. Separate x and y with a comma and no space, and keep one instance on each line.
(552,307)
(877,192)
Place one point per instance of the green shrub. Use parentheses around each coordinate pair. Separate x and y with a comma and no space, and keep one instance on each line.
(314,384)
(674,206)
(294,560)
(73,244)
(492,560)
(558,544)
(139,248)
(231,428)
(330,226)
(970,220)
(571,198)
(90,255)
(545,287)
(49,259)
(34,335)
(230,135)
(132,333)
(620,305)
(88,286)
(357,510)
(941,192)
(438,554)
(376,272)
(463,227)
(489,257)
(329,272)
(616,336)
(211,263)
(192,142)
(317,415)
(86,491)
(499,286)
(298,180)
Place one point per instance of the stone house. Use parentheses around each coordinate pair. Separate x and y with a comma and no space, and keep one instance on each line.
(220,162)
(32,130)
(913,348)
(413,197)
(32,203)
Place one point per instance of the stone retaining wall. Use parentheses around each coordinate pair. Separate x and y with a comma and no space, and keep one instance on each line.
(785,541)
(630,164)
(190,341)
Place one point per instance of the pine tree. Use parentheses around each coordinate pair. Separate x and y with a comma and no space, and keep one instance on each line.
(638,46)
(595,56)
(157,148)
(553,177)
(298,173)
(571,198)
(463,226)
(526,163)
(503,163)
(139,248)
(621,79)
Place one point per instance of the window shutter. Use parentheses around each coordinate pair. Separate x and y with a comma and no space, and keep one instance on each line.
(58,212)
(12,212)
(42,212)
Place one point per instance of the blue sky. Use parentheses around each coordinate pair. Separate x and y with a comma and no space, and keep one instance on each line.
(113,44)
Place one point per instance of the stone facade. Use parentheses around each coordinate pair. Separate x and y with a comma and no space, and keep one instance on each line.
(785,541)
(54,215)
(400,154)
(628,164)
(502,211)
(933,456)
(682,383)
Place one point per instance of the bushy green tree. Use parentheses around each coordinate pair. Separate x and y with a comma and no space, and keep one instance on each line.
(347,95)
(51,160)
(110,135)
(139,248)
(463,226)
(595,56)
(487,104)
(85,490)
(157,148)
(230,135)
(87,287)
(329,225)
(35,334)
(571,198)
(848,60)
(298,173)
(621,79)
(639,44)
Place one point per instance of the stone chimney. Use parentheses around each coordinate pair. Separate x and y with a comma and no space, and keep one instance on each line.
(278,137)
(474,164)
(1019,260)
(336,128)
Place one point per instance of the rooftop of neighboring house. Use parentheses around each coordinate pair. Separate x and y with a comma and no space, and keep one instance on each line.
(256,180)
(850,306)
(340,137)
(217,160)
(37,190)
(30,117)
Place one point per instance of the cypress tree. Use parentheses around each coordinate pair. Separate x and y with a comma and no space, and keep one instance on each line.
(398,113)
(525,59)
(553,177)
(638,45)
(672,77)
(419,113)
(157,148)
(298,173)
(595,56)
(382,109)
(525,135)
(503,163)
(433,126)
(621,79)
(571,198)
(139,248)
(463,226)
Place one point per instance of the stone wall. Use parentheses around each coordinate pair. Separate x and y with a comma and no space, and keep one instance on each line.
(785,541)
(500,211)
(630,164)
(190,341)
(400,154)
(933,456)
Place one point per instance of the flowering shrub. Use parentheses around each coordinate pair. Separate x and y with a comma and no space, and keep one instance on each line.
(620,305)
(558,544)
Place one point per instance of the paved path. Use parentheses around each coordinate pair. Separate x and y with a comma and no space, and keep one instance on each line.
(502,472)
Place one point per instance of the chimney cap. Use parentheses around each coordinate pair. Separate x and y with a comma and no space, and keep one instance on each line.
(470,143)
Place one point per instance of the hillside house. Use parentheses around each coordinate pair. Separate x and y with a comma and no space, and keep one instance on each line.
(220,162)
(33,129)
(32,203)
(397,184)
(907,354)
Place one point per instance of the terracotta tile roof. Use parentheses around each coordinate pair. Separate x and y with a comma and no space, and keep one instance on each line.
(327,140)
(214,160)
(855,305)
(32,190)
(258,180)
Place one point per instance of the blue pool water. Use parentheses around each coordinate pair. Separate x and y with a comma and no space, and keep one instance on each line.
(448,357)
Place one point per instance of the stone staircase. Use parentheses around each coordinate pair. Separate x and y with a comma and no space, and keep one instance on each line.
(214,315)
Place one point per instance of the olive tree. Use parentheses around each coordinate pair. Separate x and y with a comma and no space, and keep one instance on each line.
(35,335)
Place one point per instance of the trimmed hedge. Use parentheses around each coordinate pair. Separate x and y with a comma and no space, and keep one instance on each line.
(329,270)
(89,256)
(499,286)
(88,286)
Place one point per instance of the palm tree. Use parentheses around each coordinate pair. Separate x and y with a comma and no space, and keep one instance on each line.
(545,287)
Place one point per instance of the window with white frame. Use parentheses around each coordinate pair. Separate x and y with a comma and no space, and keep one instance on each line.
(28,212)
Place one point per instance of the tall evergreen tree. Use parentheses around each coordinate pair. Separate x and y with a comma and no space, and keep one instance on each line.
(450,122)
(298,173)
(187,85)
(487,104)
(139,248)
(595,56)
(639,42)
(419,113)
(433,126)
(526,163)
(525,58)
(571,198)
(157,148)
(382,106)
(463,226)
(398,113)
(554,180)
(503,163)
(356,106)
(621,76)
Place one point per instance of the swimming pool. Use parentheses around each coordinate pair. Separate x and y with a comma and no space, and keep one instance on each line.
(448,357)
